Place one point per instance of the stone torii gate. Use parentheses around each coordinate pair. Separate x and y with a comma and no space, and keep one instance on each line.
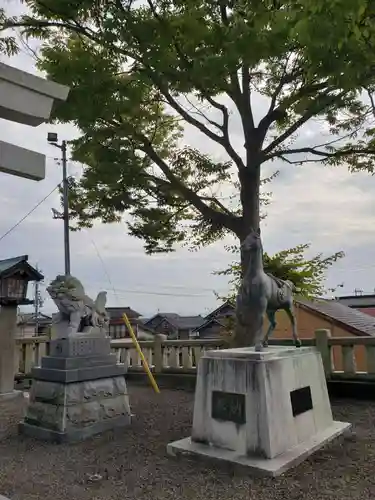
(25,99)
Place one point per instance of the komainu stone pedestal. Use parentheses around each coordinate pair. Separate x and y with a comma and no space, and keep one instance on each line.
(264,410)
(77,392)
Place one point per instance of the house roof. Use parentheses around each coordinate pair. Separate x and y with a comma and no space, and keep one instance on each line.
(352,320)
(180,322)
(29,318)
(170,316)
(208,322)
(117,312)
(216,311)
(7,266)
(144,328)
(189,322)
(355,321)
(357,300)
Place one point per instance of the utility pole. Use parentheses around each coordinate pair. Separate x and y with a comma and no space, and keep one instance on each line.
(38,303)
(52,139)
(36,307)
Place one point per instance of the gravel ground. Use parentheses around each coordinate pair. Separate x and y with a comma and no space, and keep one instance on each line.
(133,464)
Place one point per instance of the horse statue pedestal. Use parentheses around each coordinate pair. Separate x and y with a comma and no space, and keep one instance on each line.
(78,391)
(266,411)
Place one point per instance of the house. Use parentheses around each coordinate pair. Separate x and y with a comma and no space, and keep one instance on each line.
(118,329)
(363,303)
(173,325)
(211,329)
(341,320)
(311,315)
(27,326)
(225,311)
(217,323)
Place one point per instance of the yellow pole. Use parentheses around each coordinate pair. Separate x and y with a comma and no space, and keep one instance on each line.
(139,350)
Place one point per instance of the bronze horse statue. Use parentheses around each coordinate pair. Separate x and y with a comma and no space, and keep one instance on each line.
(262,291)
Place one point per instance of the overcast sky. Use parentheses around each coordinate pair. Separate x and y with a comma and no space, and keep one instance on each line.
(328,207)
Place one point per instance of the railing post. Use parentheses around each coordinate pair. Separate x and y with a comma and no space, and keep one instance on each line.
(17,361)
(348,360)
(322,336)
(158,353)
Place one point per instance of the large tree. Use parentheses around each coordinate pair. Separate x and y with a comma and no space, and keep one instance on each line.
(142,71)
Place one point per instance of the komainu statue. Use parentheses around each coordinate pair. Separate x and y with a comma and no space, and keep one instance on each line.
(78,314)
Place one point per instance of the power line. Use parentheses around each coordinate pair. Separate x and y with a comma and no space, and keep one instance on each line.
(122,291)
(28,213)
(170,294)
(145,292)
(105,268)
(141,291)
(127,292)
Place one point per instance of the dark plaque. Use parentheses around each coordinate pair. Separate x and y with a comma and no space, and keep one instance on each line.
(301,400)
(228,406)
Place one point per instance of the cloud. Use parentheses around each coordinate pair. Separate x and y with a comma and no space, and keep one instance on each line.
(330,208)
(325,202)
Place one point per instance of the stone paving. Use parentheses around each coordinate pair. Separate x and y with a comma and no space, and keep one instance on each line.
(132,463)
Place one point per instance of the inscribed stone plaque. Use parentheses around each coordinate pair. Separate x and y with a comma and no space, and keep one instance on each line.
(228,406)
(80,346)
(301,400)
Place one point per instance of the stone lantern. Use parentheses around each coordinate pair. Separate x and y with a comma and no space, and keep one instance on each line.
(15,274)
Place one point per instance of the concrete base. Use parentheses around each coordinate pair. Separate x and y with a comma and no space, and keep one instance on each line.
(7,396)
(73,412)
(73,435)
(256,465)
(266,410)
(78,392)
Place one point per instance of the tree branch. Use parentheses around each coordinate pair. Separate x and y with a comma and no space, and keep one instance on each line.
(224,141)
(246,92)
(247,116)
(218,203)
(223,219)
(325,155)
(181,111)
(372,100)
(200,113)
(275,112)
(269,117)
(241,99)
(228,220)
(301,121)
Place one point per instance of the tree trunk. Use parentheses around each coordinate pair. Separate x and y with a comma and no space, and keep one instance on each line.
(250,187)
(248,313)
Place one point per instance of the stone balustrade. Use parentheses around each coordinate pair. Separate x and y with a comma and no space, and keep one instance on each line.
(343,357)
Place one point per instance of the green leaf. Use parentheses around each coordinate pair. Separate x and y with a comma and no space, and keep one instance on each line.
(8,44)
(307,274)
